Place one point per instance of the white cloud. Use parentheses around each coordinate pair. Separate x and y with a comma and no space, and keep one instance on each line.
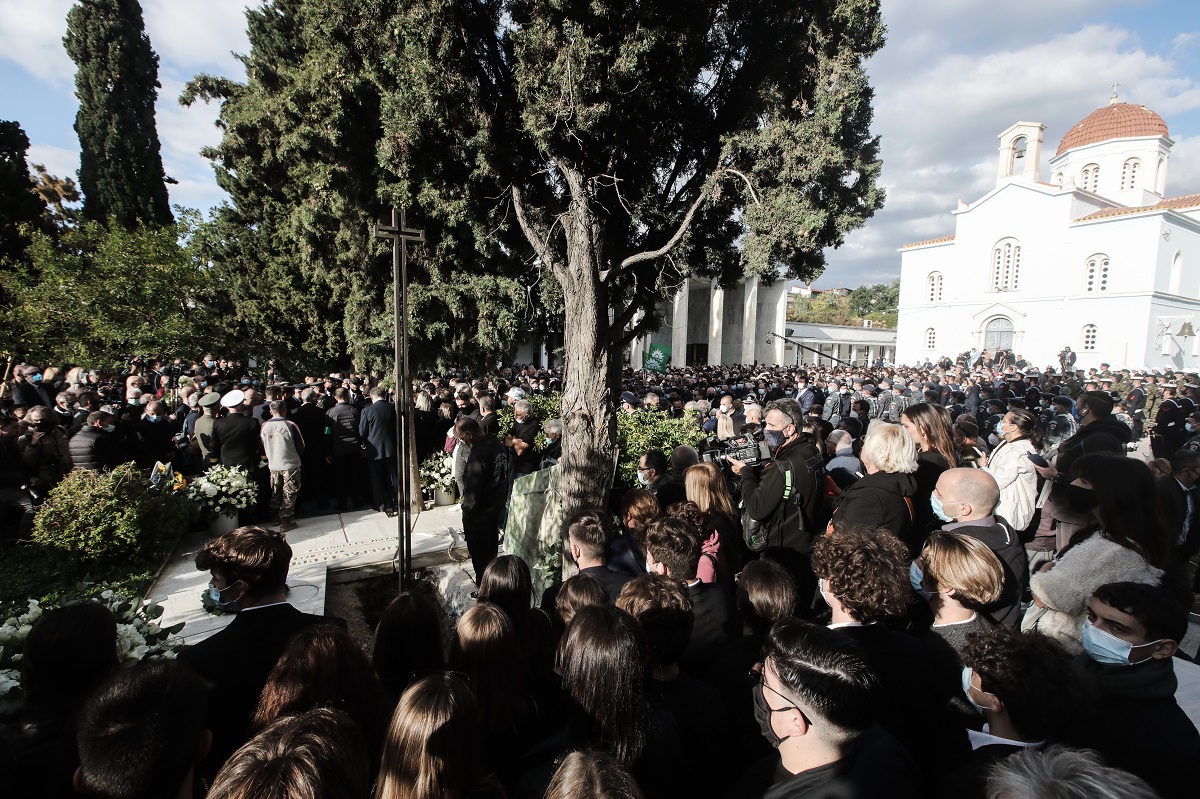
(59,161)
(199,36)
(31,34)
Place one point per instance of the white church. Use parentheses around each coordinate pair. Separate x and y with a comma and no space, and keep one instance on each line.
(1098,258)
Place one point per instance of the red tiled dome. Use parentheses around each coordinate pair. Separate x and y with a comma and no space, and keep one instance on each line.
(1113,121)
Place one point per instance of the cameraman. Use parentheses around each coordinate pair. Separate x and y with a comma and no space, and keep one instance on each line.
(791,515)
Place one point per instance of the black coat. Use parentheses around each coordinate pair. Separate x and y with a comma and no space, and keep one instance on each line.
(342,420)
(92,448)
(311,420)
(1105,435)
(237,662)
(716,625)
(1005,542)
(881,499)
(793,523)
(27,393)
(1172,500)
(235,442)
(377,429)
(485,483)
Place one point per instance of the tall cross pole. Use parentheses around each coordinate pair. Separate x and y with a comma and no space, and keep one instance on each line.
(400,234)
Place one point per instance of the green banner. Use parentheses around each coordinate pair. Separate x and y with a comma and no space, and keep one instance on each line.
(656,358)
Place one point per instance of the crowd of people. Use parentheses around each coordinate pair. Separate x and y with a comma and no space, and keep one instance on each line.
(949,580)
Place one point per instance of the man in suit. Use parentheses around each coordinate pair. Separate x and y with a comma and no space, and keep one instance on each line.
(346,451)
(377,429)
(235,442)
(673,550)
(249,568)
(309,417)
(485,489)
(1178,497)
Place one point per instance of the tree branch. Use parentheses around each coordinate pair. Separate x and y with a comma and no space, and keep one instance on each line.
(540,245)
(650,255)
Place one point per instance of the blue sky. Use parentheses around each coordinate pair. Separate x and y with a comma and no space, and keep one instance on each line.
(953,75)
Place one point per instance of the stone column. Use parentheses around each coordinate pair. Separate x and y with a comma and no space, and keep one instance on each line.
(679,329)
(716,326)
(750,319)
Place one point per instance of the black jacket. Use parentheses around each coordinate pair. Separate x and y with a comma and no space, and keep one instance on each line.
(237,661)
(716,625)
(790,523)
(342,420)
(1172,500)
(92,448)
(235,442)
(1005,542)
(485,481)
(311,420)
(878,500)
(377,428)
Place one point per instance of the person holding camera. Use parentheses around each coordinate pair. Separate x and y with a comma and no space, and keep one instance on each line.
(788,496)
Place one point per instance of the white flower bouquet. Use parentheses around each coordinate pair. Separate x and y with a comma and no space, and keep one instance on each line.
(139,637)
(224,490)
(435,473)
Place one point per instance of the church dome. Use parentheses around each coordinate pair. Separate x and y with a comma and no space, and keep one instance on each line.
(1113,121)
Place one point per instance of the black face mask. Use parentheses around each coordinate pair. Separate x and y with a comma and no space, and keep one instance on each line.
(762,714)
(1081,498)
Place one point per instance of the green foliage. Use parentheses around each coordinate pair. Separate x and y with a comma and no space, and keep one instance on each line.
(878,302)
(650,429)
(20,209)
(545,408)
(120,168)
(97,518)
(823,309)
(99,294)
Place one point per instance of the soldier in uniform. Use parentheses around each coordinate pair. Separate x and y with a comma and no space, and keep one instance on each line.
(1104,370)
(1187,398)
(1062,425)
(1192,425)
(1153,398)
(1136,401)
(1170,431)
(1073,384)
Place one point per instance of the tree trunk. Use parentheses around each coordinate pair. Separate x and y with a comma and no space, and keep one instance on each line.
(589,419)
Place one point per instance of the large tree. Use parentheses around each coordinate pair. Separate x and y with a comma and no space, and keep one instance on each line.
(629,144)
(20,208)
(120,166)
(298,160)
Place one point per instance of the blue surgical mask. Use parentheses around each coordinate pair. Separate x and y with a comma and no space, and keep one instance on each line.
(774,438)
(1104,647)
(966,686)
(37,378)
(762,392)
(939,509)
(110,428)
(1000,427)
(642,478)
(151,417)
(1191,428)
(915,578)
(215,595)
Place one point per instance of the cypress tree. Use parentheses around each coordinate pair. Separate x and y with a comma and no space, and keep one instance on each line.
(20,208)
(121,171)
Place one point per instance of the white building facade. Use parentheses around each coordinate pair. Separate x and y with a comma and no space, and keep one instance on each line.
(1097,259)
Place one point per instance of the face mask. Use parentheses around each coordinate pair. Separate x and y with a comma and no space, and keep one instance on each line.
(762,392)
(801,387)
(966,683)
(762,714)
(1191,428)
(1104,647)
(915,578)
(210,364)
(110,428)
(215,595)
(774,438)
(939,509)
(643,479)
(1081,498)
(36,378)
(1000,428)
(151,417)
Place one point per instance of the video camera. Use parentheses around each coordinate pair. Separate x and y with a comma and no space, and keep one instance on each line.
(750,449)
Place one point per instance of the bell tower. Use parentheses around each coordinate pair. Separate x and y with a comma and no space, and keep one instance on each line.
(1020,152)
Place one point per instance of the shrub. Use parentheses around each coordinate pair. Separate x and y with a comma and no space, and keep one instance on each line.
(98,517)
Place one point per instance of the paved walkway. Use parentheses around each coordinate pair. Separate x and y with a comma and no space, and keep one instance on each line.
(320,544)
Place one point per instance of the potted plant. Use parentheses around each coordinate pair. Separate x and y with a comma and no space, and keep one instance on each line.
(436,481)
(222,491)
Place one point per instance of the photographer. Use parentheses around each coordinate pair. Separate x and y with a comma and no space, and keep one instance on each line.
(788,498)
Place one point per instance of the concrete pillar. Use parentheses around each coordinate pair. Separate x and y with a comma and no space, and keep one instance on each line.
(853,353)
(750,330)
(638,346)
(679,329)
(716,327)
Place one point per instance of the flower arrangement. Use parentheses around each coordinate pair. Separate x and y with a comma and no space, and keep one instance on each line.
(435,473)
(224,490)
(139,637)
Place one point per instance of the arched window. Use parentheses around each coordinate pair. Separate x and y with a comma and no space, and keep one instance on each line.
(930,338)
(1006,265)
(1160,176)
(1058,178)
(1129,174)
(934,284)
(1090,179)
(1176,274)
(1089,338)
(1096,273)
(998,334)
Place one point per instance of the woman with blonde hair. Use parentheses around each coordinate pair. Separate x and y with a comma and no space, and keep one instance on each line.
(707,487)
(962,576)
(434,747)
(884,496)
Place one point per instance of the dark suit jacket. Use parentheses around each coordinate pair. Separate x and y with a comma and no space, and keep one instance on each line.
(235,441)
(612,579)
(716,625)
(237,661)
(311,420)
(377,428)
(1173,501)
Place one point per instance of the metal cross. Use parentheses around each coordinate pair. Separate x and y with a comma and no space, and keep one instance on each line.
(400,234)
